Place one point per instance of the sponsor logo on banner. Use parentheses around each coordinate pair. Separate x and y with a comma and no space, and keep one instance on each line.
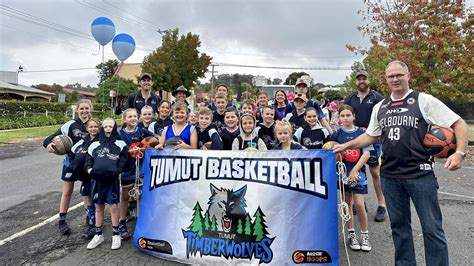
(311,256)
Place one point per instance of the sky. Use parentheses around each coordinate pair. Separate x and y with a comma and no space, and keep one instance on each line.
(297,34)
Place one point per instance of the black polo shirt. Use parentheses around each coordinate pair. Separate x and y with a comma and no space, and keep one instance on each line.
(363,107)
(136,100)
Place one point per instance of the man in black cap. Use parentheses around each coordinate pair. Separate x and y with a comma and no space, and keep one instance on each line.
(145,96)
(363,101)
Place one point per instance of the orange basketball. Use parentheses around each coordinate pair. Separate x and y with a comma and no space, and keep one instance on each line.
(352,156)
(440,142)
(149,142)
(329,145)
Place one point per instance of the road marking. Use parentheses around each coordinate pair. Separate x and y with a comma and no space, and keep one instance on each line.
(467,167)
(457,195)
(27,230)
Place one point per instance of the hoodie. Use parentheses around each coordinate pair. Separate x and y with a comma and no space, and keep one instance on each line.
(244,141)
(311,138)
(107,156)
(79,155)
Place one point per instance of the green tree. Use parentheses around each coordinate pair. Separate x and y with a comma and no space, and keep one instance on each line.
(259,227)
(240,229)
(248,225)
(434,38)
(207,224)
(291,79)
(108,71)
(122,86)
(197,220)
(177,62)
(214,223)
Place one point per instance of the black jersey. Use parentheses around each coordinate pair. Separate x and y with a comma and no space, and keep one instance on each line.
(218,120)
(158,126)
(209,134)
(228,137)
(311,138)
(267,134)
(403,130)
(296,121)
(363,108)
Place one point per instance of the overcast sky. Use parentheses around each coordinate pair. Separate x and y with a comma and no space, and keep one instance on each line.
(264,33)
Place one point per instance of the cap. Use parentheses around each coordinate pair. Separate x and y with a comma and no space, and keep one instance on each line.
(362,73)
(301,81)
(143,75)
(183,89)
(301,96)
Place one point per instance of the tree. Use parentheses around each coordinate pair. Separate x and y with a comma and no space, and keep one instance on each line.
(259,227)
(122,86)
(433,38)
(197,220)
(291,79)
(177,62)
(108,71)
(240,229)
(248,225)
(213,223)
(207,224)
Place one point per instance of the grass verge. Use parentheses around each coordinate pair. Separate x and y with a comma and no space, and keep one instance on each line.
(18,135)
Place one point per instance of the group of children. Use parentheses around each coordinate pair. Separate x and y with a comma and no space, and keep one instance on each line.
(103,162)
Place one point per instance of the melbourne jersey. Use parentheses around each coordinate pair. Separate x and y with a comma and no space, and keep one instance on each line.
(403,129)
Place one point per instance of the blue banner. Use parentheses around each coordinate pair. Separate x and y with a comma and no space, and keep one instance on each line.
(228,207)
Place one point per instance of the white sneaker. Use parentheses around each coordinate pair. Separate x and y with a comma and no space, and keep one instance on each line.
(364,242)
(116,242)
(95,242)
(353,243)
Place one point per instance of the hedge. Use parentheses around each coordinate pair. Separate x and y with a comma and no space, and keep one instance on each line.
(19,107)
(32,121)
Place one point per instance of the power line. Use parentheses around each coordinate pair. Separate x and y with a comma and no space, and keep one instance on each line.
(279,56)
(59,70)
(283,67)
(129,13)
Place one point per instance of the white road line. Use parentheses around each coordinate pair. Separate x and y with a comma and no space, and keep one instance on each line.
(457,195)
(467,167)
(27,230)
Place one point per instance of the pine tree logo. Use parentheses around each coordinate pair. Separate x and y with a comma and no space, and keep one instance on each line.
(228,223)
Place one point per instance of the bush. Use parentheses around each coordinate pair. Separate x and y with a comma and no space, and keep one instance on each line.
(18,107)
(32,121)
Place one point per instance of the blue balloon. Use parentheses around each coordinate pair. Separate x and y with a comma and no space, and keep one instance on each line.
(103,30)
(123,46)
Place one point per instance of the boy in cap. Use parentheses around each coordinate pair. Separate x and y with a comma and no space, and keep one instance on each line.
(296,117)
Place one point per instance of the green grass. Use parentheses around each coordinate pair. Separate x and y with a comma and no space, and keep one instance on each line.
(18,135)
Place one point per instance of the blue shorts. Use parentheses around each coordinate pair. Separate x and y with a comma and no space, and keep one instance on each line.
(86,187)
(127,179)
(106,192)
(375,155)
(66,174)
(358,189)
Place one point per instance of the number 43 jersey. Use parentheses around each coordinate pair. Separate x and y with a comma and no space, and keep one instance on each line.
(403,129)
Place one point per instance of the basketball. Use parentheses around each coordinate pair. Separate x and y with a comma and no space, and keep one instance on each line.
(131,149)
(62,144)
(207,145)
(149,142)
(352,156)
(171,142)
(251,149)
(440,142)
(329,145)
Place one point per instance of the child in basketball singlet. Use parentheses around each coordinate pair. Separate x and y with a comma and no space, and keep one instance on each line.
(231,130)
(180,134)
(357,187)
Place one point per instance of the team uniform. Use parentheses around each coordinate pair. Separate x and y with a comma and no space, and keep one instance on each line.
(228,137)
(296,120)
(78,160)
(76,130)
(342,136)
(363,109)
(311,138)
(184,135)
(218,120)
(106,157)
(136,100)
(157,126)
(407,170)
(128,171)
(267,134)
(293,146)
(209,134)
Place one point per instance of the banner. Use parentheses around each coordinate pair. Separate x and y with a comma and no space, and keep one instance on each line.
(229,207)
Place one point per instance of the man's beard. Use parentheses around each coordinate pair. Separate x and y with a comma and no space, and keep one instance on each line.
(363,88)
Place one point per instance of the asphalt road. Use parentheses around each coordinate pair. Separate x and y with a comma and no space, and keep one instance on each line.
(31,189)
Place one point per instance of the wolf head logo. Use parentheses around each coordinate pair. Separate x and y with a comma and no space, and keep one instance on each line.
(228,207)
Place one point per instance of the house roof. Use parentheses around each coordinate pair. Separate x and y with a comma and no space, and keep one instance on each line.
(23,90)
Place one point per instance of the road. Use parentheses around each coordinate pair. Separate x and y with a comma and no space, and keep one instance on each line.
(31,189)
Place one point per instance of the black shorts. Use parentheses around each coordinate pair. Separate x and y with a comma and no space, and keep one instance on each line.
(106,193)
(66,174)
(375,155)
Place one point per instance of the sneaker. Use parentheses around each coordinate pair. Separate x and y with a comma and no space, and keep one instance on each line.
(124,234)
(364,243)
(353,243)
(89,232)
(116,242)
(64,228)
(96,241)
(380,215)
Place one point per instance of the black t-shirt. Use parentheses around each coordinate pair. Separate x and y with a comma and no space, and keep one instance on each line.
(363,108)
